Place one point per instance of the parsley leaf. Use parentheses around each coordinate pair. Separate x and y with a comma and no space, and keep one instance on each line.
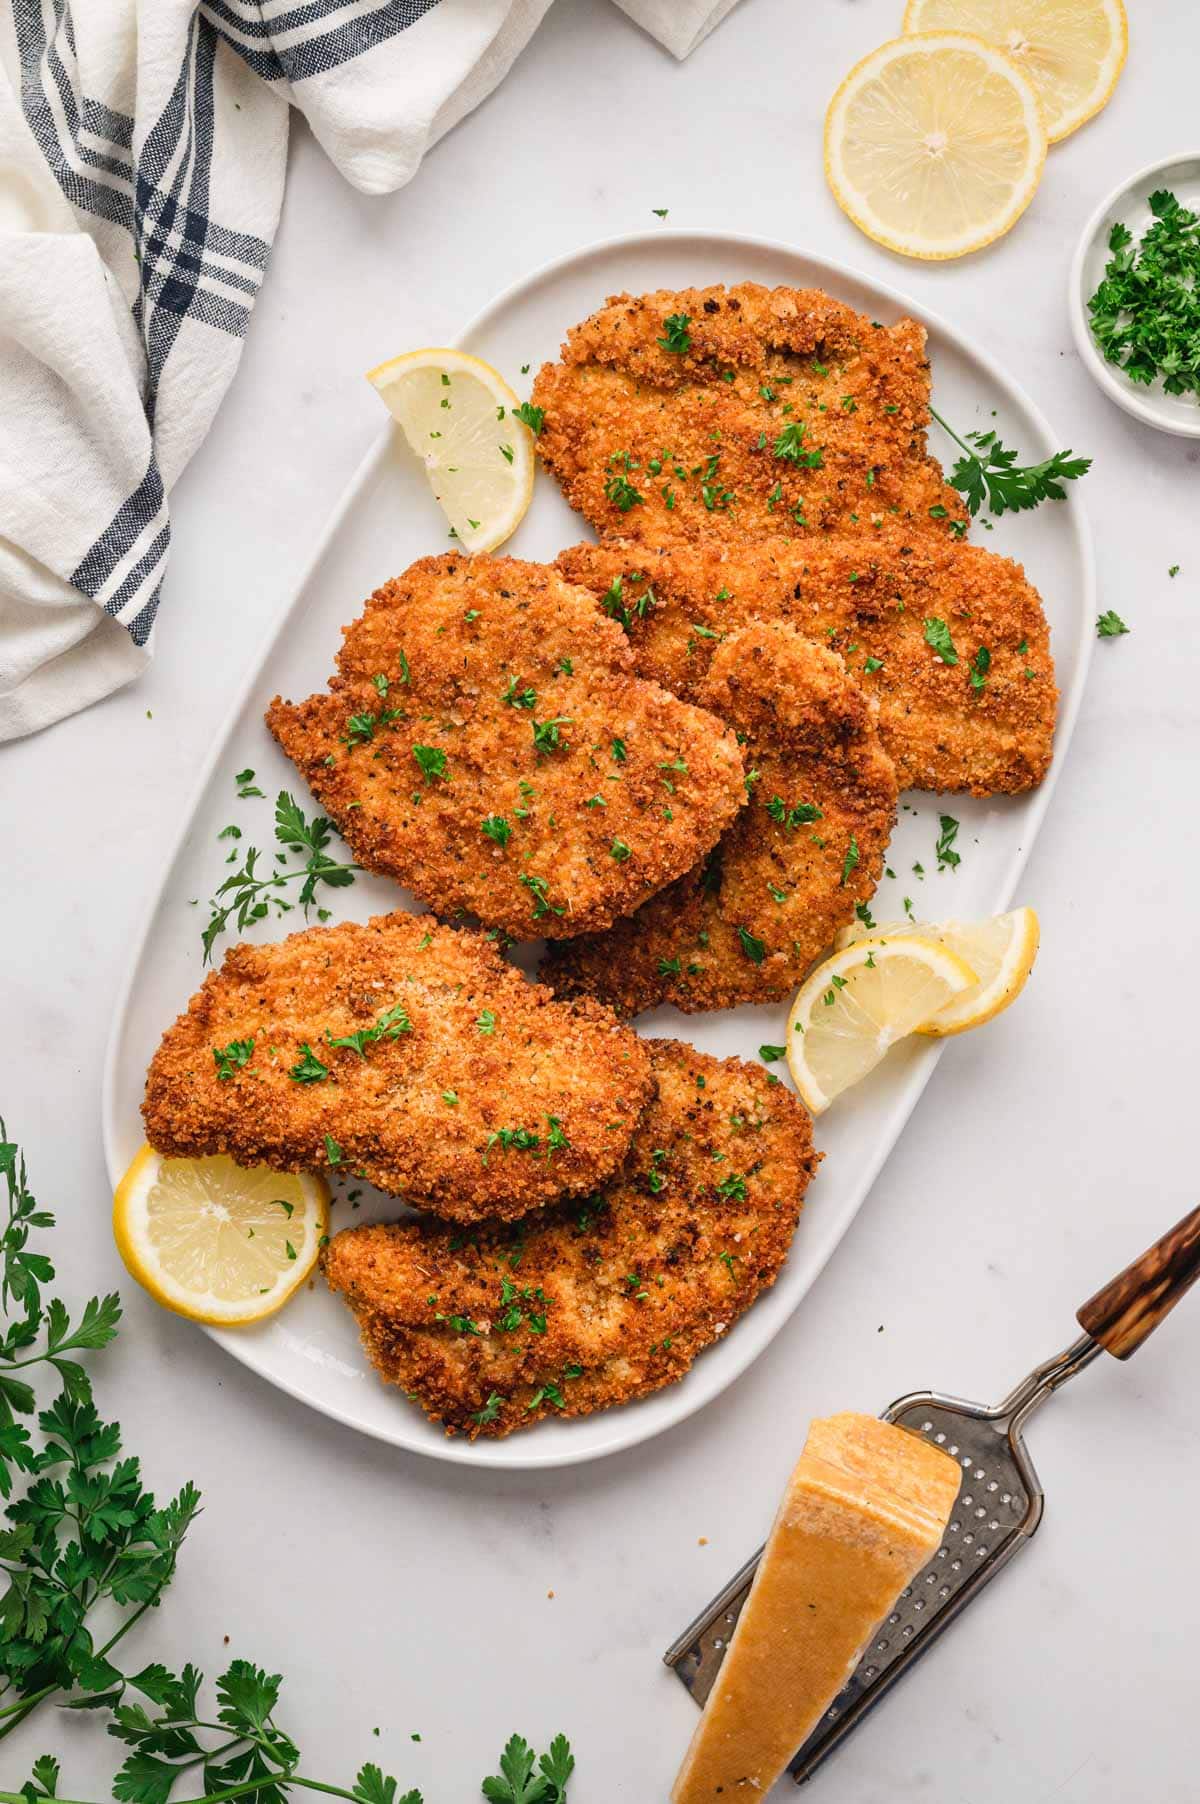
(937,634)
(988,471)
(1110,626)
(676,338)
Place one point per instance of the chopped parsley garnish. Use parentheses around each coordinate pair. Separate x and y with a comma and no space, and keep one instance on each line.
(619,850)
(490,1410)
(733,1189)
(390,1025)
(755,949)
(517,697)
(245,785)
(676,338)
(980,665)
(232,1058)
(531,416)
(432,761)
(1110,626)
(770,1055)
(937,634)
(947,857)
(333,1151)
(850,861)
(308,1068)
(790,447)
(864,914)
(485,1021)
(1146,310)
(542,906)
(619,753)
(496,827)
(801,815)
(546,738)
(872,665)
(622,493)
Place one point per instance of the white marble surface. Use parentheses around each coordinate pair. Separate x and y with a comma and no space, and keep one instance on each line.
(414,1597)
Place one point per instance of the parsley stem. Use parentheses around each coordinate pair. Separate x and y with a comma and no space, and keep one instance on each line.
(946,427)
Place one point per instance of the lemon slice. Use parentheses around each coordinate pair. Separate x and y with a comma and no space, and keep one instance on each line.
(1000,950)
(1071,50)
(859,1002)
(458,415)
(214,1241)
(934,144)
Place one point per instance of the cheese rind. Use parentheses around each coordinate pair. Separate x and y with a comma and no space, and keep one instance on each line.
(864,1510)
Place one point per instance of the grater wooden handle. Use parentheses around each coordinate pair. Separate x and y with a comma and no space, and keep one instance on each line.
(1129,1308)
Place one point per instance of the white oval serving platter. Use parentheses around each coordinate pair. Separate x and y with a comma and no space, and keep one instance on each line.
(387,518)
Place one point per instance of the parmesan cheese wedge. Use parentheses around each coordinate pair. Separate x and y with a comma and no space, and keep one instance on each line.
(864,1510)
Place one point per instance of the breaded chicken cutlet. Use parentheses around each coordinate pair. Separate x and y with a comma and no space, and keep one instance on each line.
(405,1051)
(741,412)
(487,742)
(983,723)
(593,1304)
(745,925)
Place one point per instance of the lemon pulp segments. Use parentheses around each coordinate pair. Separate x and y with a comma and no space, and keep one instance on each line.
(934,144)
(859,1002)
(214,1240)
(457,414)
(1071,50)
(1000,949)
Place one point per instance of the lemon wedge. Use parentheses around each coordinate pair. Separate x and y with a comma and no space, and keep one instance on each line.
(934,144)
(459,417)
(859,1002)
(217,1242)
(1071,50)
(1000,950)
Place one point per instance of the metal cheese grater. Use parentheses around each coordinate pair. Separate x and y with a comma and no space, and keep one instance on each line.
(999,1503)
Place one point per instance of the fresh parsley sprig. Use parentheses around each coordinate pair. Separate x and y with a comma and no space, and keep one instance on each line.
(246,896)
(83,1535)
(988,471)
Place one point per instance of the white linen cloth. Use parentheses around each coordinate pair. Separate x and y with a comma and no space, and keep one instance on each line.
(142,155)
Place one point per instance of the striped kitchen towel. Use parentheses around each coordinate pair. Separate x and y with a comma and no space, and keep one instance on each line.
(142,153)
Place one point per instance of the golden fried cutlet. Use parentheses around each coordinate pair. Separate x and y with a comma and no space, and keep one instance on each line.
(414,1052)
(732,412)
(488,743)
(947,726)
(745,925)
(593,1304)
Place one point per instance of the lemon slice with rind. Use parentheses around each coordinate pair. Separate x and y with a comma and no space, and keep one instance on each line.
(854,1007)
(216,1241)
(1071,50)
(1000,949)
(459,417)
(934,144)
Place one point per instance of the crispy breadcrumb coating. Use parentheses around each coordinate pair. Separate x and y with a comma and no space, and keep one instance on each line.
(745,925)
(947,726)
(405,1051)
(488,743)
(594,1303)
(779,412)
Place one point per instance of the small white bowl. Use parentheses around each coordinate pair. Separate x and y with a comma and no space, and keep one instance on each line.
(1130,205)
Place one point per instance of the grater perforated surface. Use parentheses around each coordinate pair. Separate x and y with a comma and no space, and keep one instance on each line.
(998,1509)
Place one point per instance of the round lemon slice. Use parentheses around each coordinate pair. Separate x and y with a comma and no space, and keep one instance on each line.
(459,416)
(1071,50)
(214,1241)
(934,144)
(859,1002)
(1000,950)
